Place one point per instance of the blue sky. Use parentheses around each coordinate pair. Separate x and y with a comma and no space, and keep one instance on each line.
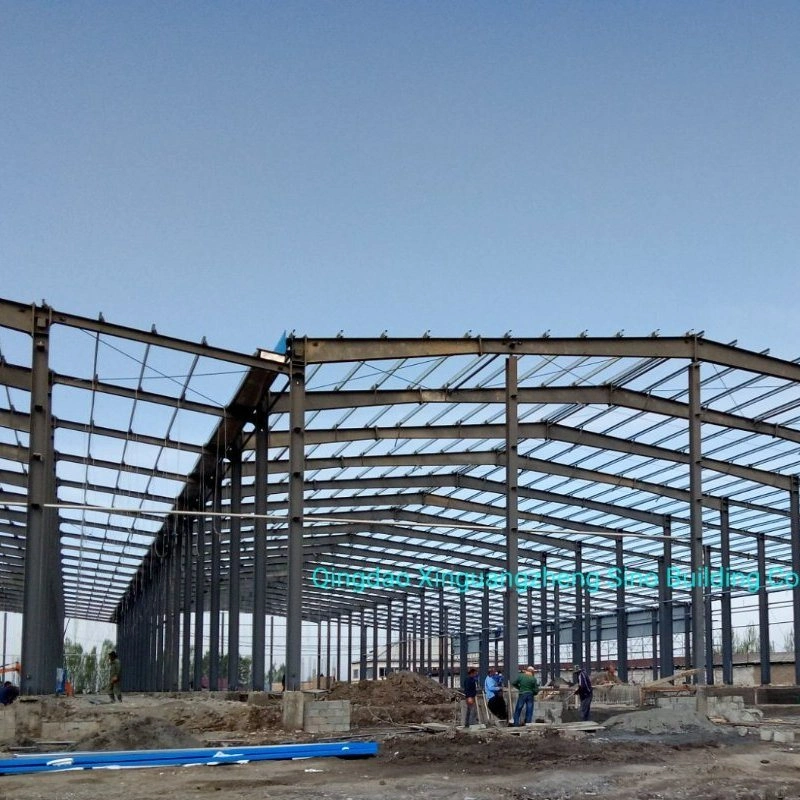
(236,169)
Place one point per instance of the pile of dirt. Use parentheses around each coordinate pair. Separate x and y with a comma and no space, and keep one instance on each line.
(142,733)
(220,715)
(662,721)
(397,688)
(491,752)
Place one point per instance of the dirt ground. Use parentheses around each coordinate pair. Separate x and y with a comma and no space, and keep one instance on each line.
(411,765)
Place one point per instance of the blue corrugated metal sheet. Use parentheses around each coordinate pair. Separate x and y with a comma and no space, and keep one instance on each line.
(132,759)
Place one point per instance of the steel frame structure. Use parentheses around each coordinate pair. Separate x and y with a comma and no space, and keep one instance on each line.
(210,480)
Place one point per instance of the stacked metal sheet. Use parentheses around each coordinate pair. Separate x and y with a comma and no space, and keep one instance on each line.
(203,756)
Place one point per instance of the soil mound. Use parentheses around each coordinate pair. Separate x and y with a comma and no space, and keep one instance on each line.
(145,733)
(661,721)
(397,688)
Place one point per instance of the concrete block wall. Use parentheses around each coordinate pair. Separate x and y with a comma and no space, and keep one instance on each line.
(548,710)
(8,723)
(326,716)
(679,703)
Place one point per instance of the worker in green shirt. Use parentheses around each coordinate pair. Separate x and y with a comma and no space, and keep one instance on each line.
(528,687)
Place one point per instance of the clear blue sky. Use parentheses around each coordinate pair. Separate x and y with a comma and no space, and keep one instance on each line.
(233,169)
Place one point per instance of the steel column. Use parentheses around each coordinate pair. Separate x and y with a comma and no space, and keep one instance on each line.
(696,515)
(709,652)
(186,630)
(234,561)
(622,616)
(665,628)
(294,620)
(556,633)
(350,647)
(543,619)
(577,624)
(339,647)
(763,612)
(388,636)
(794,518)
(362,649)
(725,600)
(42,625)
(483,649)
(375,668)
(463,643)
(442,653)
(328,650)
(654,639)
(587,630)
(511,606)
(260,567)
(214,588)
(529,598)
(319,653)
(199,601)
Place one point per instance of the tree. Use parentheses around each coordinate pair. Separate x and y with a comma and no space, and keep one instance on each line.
(788,642)
(90,671)
(747,642)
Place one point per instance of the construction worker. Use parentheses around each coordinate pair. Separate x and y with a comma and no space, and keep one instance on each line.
(584,690)
(114,677)
(528,688)
(470,695)
(493,691)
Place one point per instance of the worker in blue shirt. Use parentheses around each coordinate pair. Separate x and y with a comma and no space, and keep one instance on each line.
(493,691)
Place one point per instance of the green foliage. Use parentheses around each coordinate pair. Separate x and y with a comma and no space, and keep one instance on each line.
(746,643)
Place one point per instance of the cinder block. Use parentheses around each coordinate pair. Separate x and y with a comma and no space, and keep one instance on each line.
(258,698)
(766,734)
(783,737)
